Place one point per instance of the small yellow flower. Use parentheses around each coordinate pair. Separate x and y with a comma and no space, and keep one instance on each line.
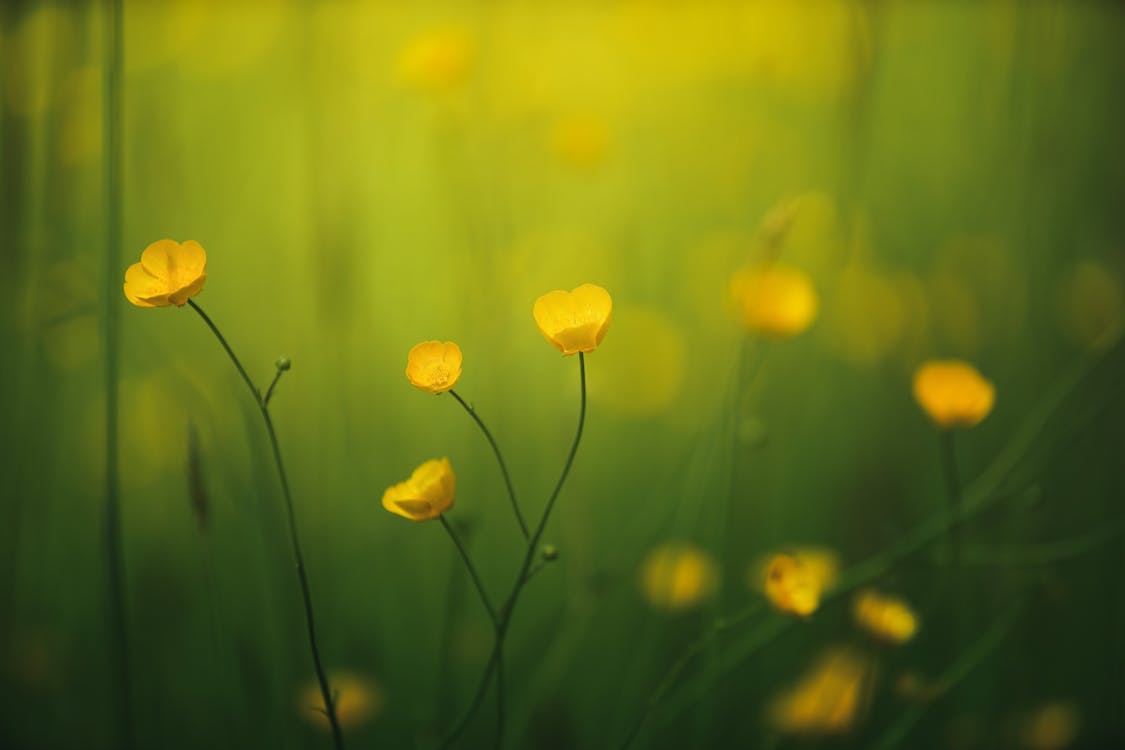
(886,618)
(953,393)
(1052,726)
(676,577)
(168,274)
(828,698)
(574,321)
(774,300)
(357,700)
(427,494)
(795,581)
(433,366)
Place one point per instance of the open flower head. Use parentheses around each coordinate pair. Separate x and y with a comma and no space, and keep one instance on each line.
(887,618)
(574,321)
(676,577)
(433,366)
(953,393)
(426,494)
(794,581)
(774,300)
(169,273)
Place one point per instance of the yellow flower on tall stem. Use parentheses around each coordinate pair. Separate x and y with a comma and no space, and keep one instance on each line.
(953,393)
(774,300)
(168,274)
(433,366)
(426,494)
(574,321)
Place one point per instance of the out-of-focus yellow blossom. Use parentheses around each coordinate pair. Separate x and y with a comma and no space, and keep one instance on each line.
(774,300)
(169,273)
(580,141)
(439,60)
(426,494)
(887,618)
(676,577)
(828,698)
(358,701)
(649,335)
(911,686)
(1092,305)
(433,366)
(953,393)
(574,321)
(1052,726)
(794,581)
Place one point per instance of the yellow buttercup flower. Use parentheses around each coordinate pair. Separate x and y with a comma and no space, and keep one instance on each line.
(953,393)
(427,494)
(574,321)
(887,618)
(169,273)
(676,577)
(774,300)
(795,581)
(826,700)
(357,700)
(433,366)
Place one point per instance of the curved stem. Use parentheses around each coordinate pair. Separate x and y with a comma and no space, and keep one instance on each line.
(306,597)
(499,459)
(273,384)
(472,569)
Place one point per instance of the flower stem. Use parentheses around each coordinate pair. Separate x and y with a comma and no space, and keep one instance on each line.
(472,569)
(953,490)
(310,623)
(499,459)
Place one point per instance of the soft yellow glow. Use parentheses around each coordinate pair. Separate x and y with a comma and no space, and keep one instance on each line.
(575,321)
(426,494)
(644,336)
(887,618)
(580,141)
(358,700)
(168,274)
(676,577)
(794,581)
(433,366)
(1052,726)
(774,300)
(1092,305)
(953,393)
(827,699)
(439,60)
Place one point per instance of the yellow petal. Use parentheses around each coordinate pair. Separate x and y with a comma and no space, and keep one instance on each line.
(574,321)
(953,393)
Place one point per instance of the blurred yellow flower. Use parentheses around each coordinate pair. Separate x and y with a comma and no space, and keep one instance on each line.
(1092,305)
(437,61)
(828,698)
(1052,726)
(427,494)
(794,581)
(433,366)
(774,300)
(953,393)
(580,141)
(168,274)
(887,618)
(678,576)
(574,321)
(358,700)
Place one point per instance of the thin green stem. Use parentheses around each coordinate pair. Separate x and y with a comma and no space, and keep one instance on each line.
(302,578)
(472,569)
(953,489)
(499,459)
(273,384)
(500,697)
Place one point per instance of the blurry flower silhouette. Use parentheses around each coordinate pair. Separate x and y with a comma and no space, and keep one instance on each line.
(953,393)
(433,366)
(357,699)
(580,141)
(574,321)
(1092,305)
(794,581)
(885,617)
(827,699)
(426,494)
(774,300)
(437,61)
(678,576)
(168,274)
(1052,726)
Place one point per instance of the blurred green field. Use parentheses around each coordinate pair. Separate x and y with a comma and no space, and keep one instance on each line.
(948,176)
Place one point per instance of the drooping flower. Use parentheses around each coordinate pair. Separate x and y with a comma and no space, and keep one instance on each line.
(676,577)
(169,273)
(574,321)
(794,581)
(426,494)
(953,393)
(357,700)
(433,366)
(828,699)
(774,300)
(886,618)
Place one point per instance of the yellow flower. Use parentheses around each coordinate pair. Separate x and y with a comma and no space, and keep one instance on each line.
(427,494)
(434,367)
(794,581)
(358,700)
(676,577)
(953,393)
(828,698)
(1052,726)
(168,274)
(885,617)
(574,321)
(774,300)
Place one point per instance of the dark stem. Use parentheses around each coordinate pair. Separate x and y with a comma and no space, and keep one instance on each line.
(500,698)
(273,384)
(499,459)
(472,569)
(306,597)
